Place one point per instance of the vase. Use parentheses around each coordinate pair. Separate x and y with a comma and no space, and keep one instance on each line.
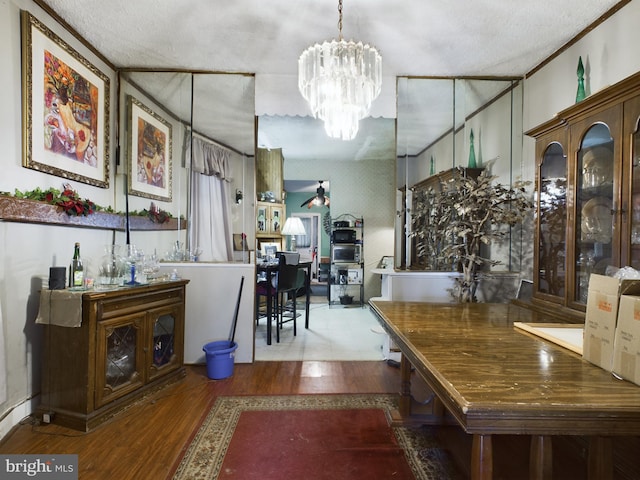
(111,268)
(472,152)
(580,94)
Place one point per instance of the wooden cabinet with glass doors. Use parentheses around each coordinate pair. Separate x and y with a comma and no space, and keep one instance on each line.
(130,342)
(269,219)
(587,194)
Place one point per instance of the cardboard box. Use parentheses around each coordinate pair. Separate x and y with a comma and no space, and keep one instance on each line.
(626,351)
(601,318)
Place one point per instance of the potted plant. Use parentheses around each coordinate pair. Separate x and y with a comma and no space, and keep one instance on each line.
(452,225)
(344,298)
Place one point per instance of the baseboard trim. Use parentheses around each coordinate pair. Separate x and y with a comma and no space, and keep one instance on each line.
(14,416)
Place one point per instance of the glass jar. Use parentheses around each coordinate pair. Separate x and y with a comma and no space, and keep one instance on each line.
(111,269)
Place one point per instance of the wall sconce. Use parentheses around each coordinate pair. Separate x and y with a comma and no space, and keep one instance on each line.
(238,196)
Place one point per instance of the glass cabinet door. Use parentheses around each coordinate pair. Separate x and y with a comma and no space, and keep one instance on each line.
(166,343)
(552,211)
(634,260)
(276,220)
(119,357)
(594,207)
(261,219)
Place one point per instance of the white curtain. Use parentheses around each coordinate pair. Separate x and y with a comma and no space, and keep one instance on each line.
(210,225)
(3,367)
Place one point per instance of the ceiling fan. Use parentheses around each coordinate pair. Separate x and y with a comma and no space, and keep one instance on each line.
(319,199)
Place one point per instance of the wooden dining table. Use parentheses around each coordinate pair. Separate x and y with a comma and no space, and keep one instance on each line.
(495,379)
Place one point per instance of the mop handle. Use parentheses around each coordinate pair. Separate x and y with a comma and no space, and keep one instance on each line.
(232,335)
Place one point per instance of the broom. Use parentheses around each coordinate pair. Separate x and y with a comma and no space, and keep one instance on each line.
(232,334)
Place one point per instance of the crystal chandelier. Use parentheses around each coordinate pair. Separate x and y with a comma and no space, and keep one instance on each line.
(339,80)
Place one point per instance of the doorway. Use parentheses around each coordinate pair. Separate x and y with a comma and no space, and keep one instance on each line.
(309,245)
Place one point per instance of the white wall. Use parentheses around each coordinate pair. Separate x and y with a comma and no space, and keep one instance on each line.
(212,294)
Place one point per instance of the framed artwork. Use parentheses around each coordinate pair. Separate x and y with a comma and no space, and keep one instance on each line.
(270,248)
(261,219)
(149,152)
(239,242)
(65,108)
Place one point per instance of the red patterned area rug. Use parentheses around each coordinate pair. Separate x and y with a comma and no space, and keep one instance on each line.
(311,437)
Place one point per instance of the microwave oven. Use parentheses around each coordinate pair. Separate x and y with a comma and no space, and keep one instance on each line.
(344,235)
(346,253)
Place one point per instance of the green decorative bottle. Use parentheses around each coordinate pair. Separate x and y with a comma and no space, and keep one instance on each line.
(76,275)
(580,94)
(472,152)
(432,166)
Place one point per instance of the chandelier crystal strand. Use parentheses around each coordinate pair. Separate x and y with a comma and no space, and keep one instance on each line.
(340,80)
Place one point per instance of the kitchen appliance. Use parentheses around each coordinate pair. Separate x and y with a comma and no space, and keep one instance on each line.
(344,235)
(346,253)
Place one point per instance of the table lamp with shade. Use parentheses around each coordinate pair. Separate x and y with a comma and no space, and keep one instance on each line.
(292,227)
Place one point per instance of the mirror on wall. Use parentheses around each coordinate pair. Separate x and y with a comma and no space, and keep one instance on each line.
(443,123)
(215,108)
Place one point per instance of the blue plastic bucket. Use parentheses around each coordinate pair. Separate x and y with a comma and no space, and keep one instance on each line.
(220,359)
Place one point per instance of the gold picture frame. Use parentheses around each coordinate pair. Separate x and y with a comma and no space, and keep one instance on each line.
(65,108)
(149,145)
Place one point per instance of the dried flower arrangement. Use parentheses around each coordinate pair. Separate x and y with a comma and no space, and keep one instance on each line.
(453,224)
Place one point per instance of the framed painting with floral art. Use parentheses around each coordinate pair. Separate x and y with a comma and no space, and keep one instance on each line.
(149,152)
(65,108)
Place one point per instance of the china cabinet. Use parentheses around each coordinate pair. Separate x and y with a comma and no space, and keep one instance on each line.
(587,194)
(269,219)
(130,341)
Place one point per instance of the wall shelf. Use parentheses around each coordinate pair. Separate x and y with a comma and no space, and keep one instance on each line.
(31,211)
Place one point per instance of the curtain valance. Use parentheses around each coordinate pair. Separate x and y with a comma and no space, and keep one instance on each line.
(209,159)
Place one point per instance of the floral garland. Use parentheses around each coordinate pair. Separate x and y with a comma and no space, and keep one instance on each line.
(68,200)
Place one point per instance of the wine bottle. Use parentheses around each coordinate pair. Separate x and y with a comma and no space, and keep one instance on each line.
(76,271)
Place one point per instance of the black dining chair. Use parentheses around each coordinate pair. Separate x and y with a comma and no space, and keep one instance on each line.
(284,282)
(289,307)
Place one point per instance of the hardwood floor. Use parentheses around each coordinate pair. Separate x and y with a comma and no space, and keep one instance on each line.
(146,440)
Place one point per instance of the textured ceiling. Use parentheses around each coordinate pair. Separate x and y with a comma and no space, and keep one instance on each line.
(414,37)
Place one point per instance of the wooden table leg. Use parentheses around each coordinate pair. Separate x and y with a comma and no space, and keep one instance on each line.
(600,458)
(481,457)
(308,297)
(404,403)
(541,458)
(269,306)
